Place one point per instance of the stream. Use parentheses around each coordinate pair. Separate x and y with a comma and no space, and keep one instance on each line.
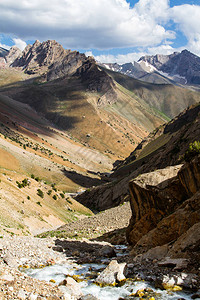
(86,273)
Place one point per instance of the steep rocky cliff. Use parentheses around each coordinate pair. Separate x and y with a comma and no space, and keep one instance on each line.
(166,212)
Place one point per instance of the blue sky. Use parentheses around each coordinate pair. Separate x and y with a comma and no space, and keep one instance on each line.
(110,30)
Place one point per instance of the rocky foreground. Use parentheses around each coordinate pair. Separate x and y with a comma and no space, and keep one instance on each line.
(20,253)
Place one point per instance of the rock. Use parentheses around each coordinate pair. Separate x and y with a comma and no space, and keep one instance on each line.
(88,297)
(66,294)
(151,199)
(72,286)
(10,261)
(157,253)
(32,296)
(188,242)
(178,264)
(196,296)
(21,294)
(58,248)
(112,274)
(7,277)
(166,208)
(107,251)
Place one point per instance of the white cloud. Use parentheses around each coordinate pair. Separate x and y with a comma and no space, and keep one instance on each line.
(19,43)
(87,24)
(120,58)
(187,18)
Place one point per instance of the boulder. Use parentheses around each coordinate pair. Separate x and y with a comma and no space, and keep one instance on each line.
(112,274)
(153,196)
(166,211)
(71,287)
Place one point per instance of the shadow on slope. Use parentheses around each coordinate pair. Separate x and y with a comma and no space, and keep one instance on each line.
(82,180)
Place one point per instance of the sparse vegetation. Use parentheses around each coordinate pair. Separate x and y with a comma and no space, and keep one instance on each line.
(22,184)
(193,150)
(54,197)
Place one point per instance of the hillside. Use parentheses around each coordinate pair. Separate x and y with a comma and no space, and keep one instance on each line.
(166,98)
(164,147)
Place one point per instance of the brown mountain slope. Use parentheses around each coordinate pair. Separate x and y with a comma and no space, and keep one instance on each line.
(166,98)
(164,149)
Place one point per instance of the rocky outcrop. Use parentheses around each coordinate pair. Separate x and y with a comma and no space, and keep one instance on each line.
(166,212)
(67,66)
(13,54)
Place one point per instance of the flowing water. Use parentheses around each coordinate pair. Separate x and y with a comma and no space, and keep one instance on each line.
(88,273)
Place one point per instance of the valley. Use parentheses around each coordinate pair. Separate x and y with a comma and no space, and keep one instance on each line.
(91,158)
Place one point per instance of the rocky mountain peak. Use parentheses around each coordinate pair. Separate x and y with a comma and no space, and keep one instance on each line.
(40,56)
(157,60)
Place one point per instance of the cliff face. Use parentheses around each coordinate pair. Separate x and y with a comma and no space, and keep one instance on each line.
(166,211)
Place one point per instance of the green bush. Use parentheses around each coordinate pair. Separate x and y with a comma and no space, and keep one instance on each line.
(37,179)
(193,150)
(62,195)
(49,192)
(54,197)
(40,193)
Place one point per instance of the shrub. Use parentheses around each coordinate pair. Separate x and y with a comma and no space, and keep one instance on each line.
(40,193)
(62,195)
(54,197)
(37,179)
(20,185)
(32,176)
(193,150)
(39,203)
(49,192)
(28,197)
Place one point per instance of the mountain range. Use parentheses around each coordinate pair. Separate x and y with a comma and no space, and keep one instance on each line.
(180,68)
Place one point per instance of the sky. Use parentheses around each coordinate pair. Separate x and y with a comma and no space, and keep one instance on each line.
(111,30)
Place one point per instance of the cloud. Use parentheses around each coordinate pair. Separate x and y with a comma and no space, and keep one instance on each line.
(87,24)
(119,58)
(187,18)
(19,43)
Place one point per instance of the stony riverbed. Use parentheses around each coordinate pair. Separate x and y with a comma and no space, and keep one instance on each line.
(33,268)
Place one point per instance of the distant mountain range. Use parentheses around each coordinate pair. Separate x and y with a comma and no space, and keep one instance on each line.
(183,68)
